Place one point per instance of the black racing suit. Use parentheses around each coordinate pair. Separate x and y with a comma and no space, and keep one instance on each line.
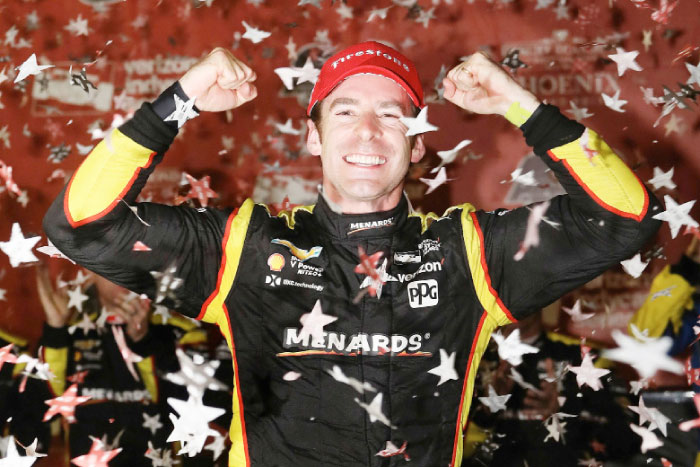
(453,280)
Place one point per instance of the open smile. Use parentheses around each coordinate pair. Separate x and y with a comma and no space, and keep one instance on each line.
(364,160)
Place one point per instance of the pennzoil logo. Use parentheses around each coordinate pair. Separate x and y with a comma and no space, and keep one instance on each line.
(360,226)
(300,253)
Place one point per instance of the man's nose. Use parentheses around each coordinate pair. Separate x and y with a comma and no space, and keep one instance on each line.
(368,126)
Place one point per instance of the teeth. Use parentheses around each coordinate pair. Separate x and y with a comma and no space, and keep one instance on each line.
(364,160)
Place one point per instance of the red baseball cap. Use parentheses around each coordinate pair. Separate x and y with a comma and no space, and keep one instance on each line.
(367,57)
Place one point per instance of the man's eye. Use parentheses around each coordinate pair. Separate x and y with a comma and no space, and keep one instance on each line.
(390,116)
(343,112)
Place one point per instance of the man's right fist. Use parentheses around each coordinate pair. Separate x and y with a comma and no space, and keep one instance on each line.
(219,82)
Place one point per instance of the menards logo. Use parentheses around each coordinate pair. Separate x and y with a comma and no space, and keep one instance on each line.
(360,226)
(339,343)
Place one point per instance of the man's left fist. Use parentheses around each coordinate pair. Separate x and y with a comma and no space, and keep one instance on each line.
(480,85)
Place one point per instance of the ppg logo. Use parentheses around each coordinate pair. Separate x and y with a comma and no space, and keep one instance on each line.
(423,293)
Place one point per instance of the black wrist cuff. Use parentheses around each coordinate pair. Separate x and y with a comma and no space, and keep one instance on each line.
(164,105)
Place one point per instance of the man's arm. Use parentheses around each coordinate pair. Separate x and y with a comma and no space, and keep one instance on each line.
(96,221)
(604,218)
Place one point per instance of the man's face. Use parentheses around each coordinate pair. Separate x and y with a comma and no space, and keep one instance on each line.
(364,151)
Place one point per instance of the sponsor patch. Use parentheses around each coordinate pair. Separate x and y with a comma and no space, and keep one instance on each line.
(432,266)
(361,226)
(300,253)
(273,280)
(361,343)
(304,269)
(428,245)
(407,257)
(276,262)
(423,293)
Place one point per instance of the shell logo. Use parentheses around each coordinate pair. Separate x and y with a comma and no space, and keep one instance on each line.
(276,262)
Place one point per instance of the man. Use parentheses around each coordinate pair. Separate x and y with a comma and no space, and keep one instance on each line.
(327,374)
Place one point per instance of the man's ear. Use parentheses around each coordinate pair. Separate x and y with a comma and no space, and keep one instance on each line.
(313,138)
(418,149)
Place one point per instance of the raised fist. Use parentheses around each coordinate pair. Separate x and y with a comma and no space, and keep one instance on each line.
(219,82)
(480,85)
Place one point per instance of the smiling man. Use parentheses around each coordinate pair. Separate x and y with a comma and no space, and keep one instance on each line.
(356,325)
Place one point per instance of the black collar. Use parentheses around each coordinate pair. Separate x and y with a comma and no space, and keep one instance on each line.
(352,226)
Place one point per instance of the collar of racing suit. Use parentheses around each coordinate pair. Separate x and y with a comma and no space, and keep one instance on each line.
(352,226)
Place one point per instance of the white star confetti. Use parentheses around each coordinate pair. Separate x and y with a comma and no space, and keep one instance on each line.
(29,67)
(288,128)
(192,427)
(419,124)
(517,176)
(76,298)
(18,248)
(254,34)
(374,409)
(645,357)
(634,266)
(152,423)
(694,71)
(579,113)
(662,179)
(446,370)
(12,457)
(652,415)
(449,156)
(576,313)
(357,385)
(649,440)
(378,12)
(53,252)
(511,349)
(434,183)
(495,402)
(625,60)
(676,215)
(78,26)
(196,377)
(614,102)
(314,322)
(183,112)
(308,73)
(588,374)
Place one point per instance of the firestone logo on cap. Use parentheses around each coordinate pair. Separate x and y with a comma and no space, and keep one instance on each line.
(378,53)
(372,58)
